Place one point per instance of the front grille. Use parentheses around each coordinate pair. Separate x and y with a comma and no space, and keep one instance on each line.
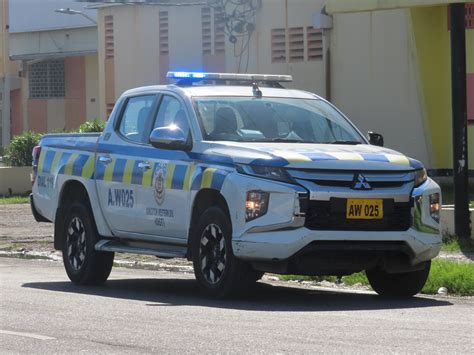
(349,184)
(331,215)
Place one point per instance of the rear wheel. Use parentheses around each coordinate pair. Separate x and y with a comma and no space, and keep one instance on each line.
(218,272)
(83,264)
(405,284)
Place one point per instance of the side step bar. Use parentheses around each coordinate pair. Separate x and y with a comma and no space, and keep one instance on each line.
(136,247)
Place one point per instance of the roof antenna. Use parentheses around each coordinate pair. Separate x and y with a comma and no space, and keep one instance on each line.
(256,91)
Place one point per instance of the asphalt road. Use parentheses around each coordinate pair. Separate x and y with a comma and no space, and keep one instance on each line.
(152,311)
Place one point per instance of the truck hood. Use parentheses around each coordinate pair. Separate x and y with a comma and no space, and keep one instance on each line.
(313,156)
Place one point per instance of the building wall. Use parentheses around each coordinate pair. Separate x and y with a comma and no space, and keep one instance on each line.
(389,70)
(374,78)
(139,60)
(81,101)
(432,50)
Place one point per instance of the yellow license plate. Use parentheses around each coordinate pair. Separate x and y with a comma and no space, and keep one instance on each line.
(364,209)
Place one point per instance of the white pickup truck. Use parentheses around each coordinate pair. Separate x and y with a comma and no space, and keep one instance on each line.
(243,177)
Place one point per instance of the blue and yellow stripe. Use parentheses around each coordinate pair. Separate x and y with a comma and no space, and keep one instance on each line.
(178,176)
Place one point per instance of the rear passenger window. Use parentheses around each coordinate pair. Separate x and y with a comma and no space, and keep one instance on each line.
(135,116)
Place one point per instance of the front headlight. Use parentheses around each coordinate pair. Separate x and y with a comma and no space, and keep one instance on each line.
(266,172)
(420,177)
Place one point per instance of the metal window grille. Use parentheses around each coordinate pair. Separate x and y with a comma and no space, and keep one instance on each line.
(314,44)
(46,79)
(163,37)
(109,36)
(278,45)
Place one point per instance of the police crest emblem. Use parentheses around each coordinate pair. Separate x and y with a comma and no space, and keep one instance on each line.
(159,186)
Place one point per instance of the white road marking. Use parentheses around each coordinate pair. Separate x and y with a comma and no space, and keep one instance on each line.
(27,335)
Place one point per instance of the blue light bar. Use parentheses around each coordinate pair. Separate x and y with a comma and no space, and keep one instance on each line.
(185,75)
(180,75)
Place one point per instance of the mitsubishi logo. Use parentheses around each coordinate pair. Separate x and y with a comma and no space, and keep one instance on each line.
(360,183)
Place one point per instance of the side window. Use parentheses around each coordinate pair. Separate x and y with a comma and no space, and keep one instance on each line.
(171,111)
(134,118)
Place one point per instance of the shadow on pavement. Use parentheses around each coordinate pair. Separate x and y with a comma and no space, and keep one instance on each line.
(265,297)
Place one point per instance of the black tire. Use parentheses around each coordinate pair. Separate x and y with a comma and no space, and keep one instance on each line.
(84,265)
(405,284)
(219,273)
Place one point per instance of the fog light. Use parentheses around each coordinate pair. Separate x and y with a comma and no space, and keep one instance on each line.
(256,204)
(435,206)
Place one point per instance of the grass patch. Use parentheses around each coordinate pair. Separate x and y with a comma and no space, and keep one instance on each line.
(457,277)
(357,278)
(14,200)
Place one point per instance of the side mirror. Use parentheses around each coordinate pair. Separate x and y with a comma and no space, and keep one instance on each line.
(375,138)
(171,137)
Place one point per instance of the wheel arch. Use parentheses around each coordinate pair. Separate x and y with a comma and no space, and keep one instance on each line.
(204,199)
(72,190)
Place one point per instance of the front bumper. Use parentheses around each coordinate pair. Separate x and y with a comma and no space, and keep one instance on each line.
(421,242)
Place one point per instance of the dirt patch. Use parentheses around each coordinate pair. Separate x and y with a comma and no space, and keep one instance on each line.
(22,236)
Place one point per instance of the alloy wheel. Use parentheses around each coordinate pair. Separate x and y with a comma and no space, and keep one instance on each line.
(212,253)
(76,243)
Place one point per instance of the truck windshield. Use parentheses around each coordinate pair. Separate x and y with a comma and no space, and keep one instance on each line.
(267,119)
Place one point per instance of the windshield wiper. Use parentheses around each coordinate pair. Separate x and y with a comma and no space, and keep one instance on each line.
(343,142)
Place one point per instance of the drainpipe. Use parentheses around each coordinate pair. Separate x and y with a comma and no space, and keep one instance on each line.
(323,21)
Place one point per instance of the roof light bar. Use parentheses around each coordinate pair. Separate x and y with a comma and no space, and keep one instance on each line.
(179,75)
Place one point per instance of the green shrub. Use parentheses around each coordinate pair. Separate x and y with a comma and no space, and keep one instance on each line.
(18,153)
(92,126)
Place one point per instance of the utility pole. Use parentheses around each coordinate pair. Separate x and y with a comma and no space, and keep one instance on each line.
(459,117)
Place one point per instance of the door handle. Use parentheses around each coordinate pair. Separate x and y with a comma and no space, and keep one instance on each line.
(144,165)
(105,160)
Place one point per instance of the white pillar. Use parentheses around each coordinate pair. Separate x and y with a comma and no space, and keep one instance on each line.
(6,124)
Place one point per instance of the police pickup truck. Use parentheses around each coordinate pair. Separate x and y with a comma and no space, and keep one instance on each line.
(242,177)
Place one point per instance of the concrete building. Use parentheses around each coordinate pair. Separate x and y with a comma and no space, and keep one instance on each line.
(52,82)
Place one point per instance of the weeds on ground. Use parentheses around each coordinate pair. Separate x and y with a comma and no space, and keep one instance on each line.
(457,277)
(14,200)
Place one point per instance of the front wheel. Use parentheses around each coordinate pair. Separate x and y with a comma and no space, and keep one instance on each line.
(218,272)
(404,284)
(83,264)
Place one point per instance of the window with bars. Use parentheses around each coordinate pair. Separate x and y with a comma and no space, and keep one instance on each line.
(278,45)
(163,25)
(46,79)
(109,36)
